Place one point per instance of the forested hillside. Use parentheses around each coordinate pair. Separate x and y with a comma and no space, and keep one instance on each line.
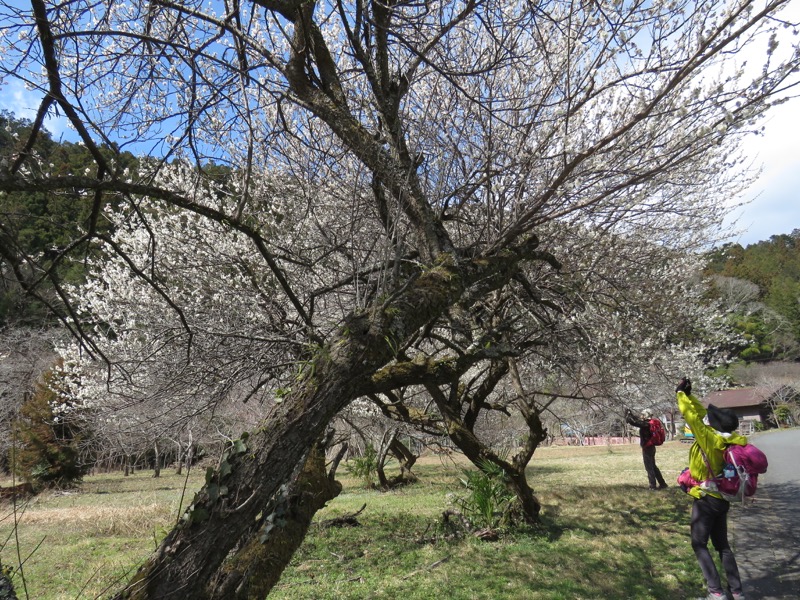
(761,283)
(45,225)
(41,223)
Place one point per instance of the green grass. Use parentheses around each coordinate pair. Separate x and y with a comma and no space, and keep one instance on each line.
(603,536)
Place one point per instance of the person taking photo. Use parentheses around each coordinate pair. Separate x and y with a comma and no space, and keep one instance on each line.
(714,429)
(648,445)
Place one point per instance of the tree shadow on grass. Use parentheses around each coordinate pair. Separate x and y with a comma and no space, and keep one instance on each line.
(626,541)
(595,542)
(533,470)
(634,506)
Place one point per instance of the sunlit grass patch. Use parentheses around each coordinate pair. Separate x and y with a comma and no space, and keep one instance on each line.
(603,535)
(98,521)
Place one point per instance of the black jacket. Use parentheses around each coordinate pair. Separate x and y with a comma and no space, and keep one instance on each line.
(644,428)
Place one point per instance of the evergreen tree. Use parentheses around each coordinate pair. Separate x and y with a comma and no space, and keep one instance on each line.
(42,224)
(50,436)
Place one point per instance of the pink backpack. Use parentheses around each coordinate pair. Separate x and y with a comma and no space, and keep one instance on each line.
(739,477)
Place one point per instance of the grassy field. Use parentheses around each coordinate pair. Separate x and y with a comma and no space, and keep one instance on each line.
(604,535)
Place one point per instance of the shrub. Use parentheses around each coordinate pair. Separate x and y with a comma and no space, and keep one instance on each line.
(488,503)
(783,414)
(364,467)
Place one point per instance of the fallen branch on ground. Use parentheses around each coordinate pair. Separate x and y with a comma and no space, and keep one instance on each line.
(345,520)
(430,567)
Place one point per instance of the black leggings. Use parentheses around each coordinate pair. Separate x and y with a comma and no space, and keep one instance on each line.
(710,520)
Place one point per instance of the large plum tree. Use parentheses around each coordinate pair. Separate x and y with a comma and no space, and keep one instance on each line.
(435,152)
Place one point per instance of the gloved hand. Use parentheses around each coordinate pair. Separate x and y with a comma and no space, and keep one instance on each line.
(685,386)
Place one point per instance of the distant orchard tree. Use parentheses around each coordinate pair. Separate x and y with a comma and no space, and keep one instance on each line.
(25,353)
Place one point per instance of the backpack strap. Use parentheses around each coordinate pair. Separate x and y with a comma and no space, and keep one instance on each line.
(708,465)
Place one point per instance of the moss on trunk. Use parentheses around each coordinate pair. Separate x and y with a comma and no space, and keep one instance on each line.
(253,570)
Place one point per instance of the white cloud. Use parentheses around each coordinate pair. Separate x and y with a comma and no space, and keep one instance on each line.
(774,197)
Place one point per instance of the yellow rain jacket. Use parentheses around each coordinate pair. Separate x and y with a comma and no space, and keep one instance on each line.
(712,442)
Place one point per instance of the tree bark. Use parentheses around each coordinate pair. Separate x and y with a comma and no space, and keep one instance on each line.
(380,467)
(234,496)
(460,423)
(516,481)
(265,553)
(179,462)
(403,455)
(156,460)
(189,558)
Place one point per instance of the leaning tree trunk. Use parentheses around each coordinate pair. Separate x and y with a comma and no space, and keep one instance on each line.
(260,559)
(516,481)
(406,458)
(156,460)
(460,430)
(380,466)
(179,462)
(190,558)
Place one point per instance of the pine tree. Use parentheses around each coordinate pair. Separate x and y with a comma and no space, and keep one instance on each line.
(51,434)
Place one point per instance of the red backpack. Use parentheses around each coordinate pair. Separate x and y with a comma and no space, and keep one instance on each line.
(657,433)
(743,465)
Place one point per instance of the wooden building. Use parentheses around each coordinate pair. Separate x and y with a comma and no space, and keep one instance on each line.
(753,404)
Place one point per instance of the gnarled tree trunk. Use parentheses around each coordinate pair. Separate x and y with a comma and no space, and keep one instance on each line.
(406,458)
(190,558)
(265,551)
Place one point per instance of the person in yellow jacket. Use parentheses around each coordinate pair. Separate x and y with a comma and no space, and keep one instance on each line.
(713,429)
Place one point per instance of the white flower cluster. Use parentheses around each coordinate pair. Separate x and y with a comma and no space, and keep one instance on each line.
(608,129)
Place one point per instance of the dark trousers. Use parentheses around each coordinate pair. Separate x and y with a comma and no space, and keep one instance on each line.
(710,520)
(653,473)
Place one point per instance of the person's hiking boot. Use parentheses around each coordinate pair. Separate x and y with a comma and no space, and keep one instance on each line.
(716,596)
(737,595)
(663,486)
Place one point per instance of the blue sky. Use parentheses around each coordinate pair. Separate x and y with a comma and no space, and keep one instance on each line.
(774,206)
(773,201)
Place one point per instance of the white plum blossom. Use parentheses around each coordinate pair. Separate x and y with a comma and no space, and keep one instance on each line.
(347,198)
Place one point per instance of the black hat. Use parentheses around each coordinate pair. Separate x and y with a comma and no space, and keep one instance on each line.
(722,419)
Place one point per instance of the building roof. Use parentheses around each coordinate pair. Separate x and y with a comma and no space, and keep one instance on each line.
(737,397)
